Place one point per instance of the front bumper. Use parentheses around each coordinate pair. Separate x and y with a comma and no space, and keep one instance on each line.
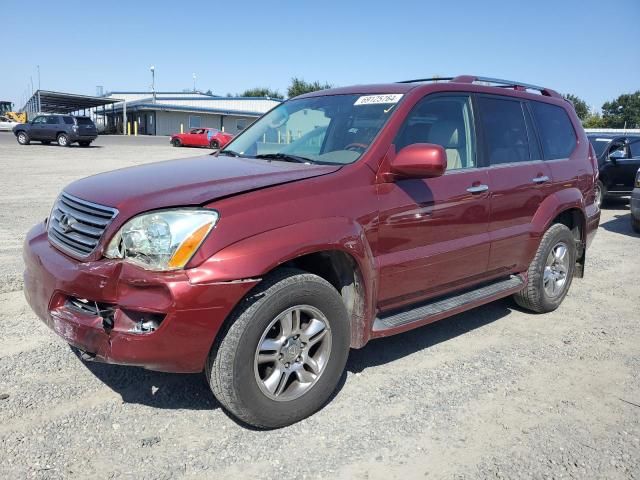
(191,313)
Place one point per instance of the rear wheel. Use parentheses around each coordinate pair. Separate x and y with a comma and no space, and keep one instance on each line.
(282,352)
(601,193)
(214,144)
(23,138)
(551,271)
(176,142)
(63,140)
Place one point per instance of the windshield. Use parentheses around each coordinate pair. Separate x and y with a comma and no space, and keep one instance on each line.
(331,129)
(599,144)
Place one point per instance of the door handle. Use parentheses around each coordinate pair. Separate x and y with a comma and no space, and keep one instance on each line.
(540,179)
(478,189)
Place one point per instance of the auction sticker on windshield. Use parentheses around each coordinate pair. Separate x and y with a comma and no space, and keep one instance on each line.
(373,99)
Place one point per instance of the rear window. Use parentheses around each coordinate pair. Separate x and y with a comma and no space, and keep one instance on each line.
(68,120)
(505,131)
(84,121)
(634,145)
(556,131)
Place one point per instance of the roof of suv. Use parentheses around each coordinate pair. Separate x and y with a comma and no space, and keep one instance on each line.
(461,80)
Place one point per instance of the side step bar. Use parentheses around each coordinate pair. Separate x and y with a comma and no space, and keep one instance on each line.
(439,307)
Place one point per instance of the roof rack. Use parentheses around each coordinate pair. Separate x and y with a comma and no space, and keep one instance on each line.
(496,81)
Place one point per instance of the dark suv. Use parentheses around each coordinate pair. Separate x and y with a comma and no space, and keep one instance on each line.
(618,161)
(64,129)
(338,217)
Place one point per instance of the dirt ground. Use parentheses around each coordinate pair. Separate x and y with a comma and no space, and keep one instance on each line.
(492,393)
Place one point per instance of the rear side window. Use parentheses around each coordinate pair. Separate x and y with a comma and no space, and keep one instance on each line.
(68,120)
(52,120)
(505,131)
(556,131)
(84,121)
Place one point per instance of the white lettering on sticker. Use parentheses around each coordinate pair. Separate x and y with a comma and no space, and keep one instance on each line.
(375,99)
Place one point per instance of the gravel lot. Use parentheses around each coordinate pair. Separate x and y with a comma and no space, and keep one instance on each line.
(492,393)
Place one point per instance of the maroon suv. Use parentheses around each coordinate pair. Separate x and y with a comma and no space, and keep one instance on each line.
(338,217)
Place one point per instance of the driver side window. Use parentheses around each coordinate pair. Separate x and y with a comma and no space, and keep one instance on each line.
(39,120)
(444,120)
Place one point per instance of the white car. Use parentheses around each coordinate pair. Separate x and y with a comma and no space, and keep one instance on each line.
(7,124)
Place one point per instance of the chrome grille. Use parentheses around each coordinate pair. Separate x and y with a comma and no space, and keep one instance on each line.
(76,226)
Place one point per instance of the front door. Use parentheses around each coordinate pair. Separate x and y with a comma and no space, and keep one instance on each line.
(37,130)
(433,232)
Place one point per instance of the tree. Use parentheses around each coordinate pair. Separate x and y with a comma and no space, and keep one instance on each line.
(623,111)
(208,92)
(581,107)
(261,92)
(594,120)
(299,86)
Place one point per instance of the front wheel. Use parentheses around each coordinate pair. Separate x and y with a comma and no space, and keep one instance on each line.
(214,144)
(601,192)
(551,271)
(23,138)
(176,143)
(283,351)
(63,140)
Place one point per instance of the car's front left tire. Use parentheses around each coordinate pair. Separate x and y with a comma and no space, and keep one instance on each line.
(281,354)
(176,142)
(23,138)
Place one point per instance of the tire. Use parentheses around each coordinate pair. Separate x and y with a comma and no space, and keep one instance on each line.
(84,144)
(23,138)
(214,144)
(63,140)
(176,143)
(544,277)
(601,194)
(239,380)
(45,142)
(635,224)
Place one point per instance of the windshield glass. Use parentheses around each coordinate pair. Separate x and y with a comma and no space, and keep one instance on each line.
(331,129)
(599,144)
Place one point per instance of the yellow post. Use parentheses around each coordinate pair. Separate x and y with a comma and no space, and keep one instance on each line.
(135,128)
(128,128)
(182,128)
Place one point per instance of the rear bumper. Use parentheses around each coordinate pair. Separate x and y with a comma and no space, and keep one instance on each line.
(83,138)
(191,313)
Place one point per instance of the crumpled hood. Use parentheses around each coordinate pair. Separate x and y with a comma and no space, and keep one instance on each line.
(188,182)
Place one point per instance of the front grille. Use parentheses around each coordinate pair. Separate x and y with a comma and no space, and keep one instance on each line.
(76,226)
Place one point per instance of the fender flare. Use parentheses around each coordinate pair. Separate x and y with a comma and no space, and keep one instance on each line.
(555,204)
(256,256)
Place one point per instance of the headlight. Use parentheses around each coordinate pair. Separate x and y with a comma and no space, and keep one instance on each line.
(162,240)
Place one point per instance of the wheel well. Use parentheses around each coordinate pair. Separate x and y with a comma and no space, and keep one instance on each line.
(575,221)
(340,270)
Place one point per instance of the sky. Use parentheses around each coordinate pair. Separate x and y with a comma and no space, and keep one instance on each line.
(589,48)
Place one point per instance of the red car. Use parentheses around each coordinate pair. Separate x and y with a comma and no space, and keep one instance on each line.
(338,217)
(201,137)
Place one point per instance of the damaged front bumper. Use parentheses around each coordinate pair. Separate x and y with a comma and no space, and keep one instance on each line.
(116,312)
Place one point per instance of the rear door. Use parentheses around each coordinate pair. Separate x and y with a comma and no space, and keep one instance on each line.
(433,231)
(519,178)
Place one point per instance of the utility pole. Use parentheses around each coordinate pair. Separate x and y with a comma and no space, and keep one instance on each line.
(38,77)
(194,83)
(153,83)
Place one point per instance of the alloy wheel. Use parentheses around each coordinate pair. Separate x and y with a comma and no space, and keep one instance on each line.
(292,353)
(556,270)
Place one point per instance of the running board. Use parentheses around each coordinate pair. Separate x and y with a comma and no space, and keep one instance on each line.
(455,301)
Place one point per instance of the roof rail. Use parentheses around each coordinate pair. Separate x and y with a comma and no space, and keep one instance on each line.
(496,81)
(432,79)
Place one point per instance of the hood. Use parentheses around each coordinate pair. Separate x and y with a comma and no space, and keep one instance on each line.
(187,182)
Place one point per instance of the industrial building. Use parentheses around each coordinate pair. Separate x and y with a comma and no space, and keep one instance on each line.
(154,113)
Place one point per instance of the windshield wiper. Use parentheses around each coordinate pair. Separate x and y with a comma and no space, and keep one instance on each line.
(230,153)
(285,157)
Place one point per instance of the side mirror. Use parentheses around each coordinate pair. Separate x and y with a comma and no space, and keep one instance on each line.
(617,155)
(420,160)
